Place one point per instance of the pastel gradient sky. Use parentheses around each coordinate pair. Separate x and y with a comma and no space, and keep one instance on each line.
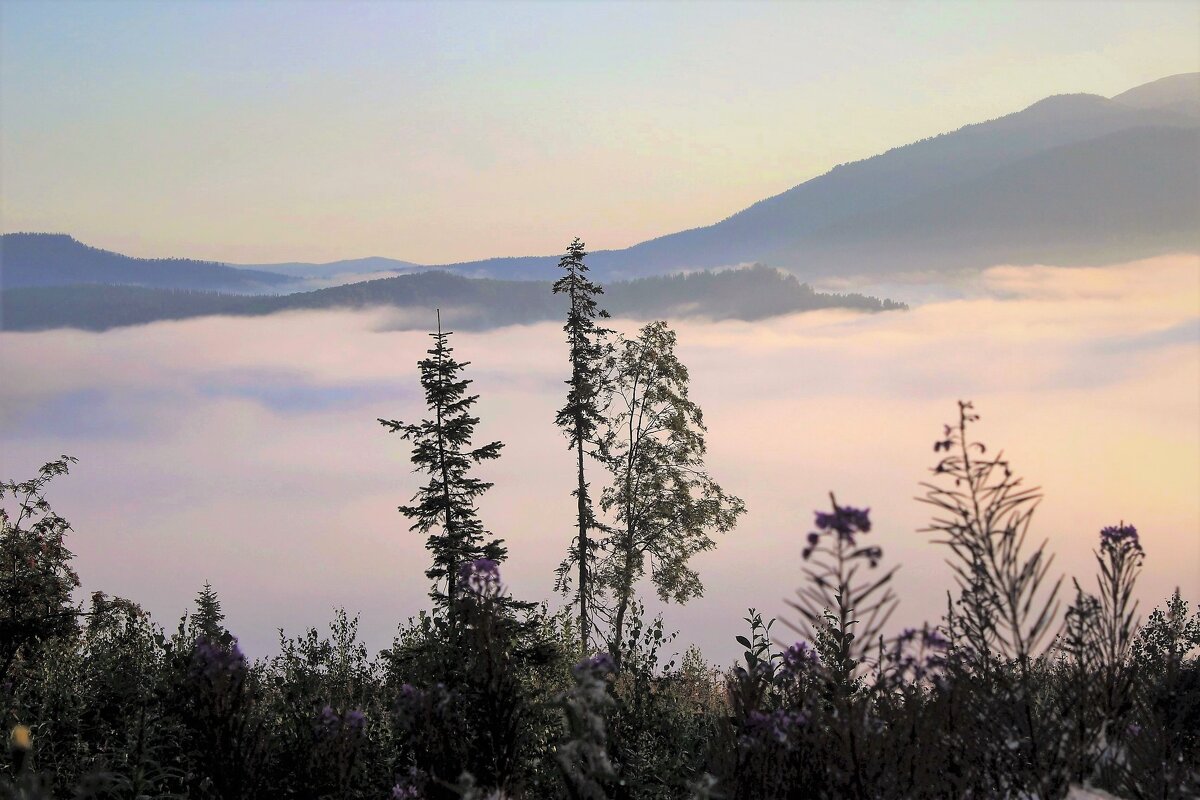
(255,132)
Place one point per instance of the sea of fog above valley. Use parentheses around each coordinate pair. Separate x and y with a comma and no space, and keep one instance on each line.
(246,452)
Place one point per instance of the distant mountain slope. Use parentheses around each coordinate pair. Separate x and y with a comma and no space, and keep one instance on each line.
(48,259)
(1177,93)
(1127,195)
(475,303)
(900,176)
(1071,178)
(350,266)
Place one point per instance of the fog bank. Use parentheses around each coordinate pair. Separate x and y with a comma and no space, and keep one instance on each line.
(246,452)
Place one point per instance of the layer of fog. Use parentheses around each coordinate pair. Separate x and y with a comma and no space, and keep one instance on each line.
(246,452)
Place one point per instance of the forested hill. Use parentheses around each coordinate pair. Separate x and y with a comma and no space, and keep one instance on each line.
(55,259)
(477,303)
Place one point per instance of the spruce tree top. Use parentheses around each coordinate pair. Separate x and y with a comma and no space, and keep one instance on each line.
(580,416)
(445,506)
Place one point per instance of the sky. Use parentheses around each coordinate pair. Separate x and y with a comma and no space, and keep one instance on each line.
(254,132)
(246,452)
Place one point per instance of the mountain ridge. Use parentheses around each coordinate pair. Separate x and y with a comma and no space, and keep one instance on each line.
(756,232)
(810,228)
(1130,194)
(58,259)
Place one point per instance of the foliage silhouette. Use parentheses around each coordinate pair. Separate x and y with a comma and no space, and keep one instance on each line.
(580,418)
(663,501)
(486,697)
(442,449)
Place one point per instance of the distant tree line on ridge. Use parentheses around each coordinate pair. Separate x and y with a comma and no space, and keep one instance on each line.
(749,294)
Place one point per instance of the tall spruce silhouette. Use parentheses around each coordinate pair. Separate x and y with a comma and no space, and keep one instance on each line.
(207,620)
(445,507)
(581,417)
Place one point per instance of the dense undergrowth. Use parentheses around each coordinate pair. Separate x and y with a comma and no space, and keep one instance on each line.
(101,702)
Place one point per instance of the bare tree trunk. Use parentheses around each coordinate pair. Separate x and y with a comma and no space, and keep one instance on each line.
(441,445)
(624,597)
(584,523)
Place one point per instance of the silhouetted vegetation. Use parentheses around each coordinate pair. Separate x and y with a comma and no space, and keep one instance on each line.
(484,696)
(662,501)
(580,418)
(445,507)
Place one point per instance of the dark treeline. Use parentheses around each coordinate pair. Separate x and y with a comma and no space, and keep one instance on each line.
(1027,686)
(479,303)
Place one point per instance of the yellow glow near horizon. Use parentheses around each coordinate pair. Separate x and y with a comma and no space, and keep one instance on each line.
(254,132)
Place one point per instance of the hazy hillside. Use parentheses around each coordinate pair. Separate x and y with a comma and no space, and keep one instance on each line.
(1119,197)
(751,293)
(49,259)
(1177,93)
(350,266)
(1069,179)
(965,159)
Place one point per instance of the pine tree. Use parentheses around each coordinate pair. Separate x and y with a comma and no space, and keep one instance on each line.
(664,502)
(445,507)
(206,622)
(580,418)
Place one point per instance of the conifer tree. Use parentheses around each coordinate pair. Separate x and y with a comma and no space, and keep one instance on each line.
(445,506)
(665,503)
(206,622)
(580,417)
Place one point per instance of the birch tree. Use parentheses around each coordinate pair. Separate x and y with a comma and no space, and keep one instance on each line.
(664,503)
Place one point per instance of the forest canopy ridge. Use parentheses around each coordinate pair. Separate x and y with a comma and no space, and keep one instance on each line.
(751,293)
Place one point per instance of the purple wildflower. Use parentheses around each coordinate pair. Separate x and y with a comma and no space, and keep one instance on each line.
(872,554)
(354,720)
(328,718)
(480,577)
(846,520)
(935,641)
(330,723)
(410,702)
(777,726)
(799,658)
(409,786)
(601,663)
(1121,538)
(215,662)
